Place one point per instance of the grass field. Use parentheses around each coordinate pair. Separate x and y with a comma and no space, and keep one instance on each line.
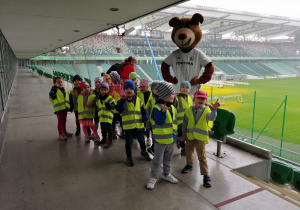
(270,93)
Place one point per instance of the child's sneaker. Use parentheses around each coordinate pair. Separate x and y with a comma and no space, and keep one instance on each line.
(187,169)
(87,139)
(206,181)
(67,134)
(148,142)
(130,162)
(151,151)
(62,138)
(94,137)
(146,155)
(170,178)
(151,183)
(77,133)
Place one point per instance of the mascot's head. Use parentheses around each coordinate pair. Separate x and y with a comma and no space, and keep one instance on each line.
(186,32)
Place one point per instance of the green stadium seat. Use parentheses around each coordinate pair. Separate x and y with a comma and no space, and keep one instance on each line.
(281,172)
(224,124)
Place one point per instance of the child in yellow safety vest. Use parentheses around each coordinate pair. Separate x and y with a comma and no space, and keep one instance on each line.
(133,117)
(105,104)
(182,102)
(144,94)
(86,107)
(163,120)
(59,98)
(197,121)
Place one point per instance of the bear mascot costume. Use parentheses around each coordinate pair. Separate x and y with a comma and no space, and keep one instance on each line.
(187,61)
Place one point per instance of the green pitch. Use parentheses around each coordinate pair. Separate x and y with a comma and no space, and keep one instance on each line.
(270,93)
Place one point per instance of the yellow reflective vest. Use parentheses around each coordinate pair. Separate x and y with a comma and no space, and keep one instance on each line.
(116,97)
(150,104)
(60,103)
(200,130)
(105,115)
(163,134)
(132,115)
(85,113)
(182,106)
(141,96)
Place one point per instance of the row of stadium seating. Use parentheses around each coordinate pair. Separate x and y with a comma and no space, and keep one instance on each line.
(148,71)
(106,45)
(67,71)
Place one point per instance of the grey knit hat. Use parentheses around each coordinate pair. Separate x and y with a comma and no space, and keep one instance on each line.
(154,83)
(164,90)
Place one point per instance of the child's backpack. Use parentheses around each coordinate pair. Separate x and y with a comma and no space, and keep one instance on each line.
(116,67)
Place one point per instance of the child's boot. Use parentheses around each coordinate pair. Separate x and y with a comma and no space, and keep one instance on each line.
(77,132)
(103,141)
(206,181)
(109,144)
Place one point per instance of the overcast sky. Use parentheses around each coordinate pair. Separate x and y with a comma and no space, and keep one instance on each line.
(288,8)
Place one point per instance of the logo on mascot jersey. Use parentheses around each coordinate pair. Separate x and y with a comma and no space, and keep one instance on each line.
(192,58)
(178,58)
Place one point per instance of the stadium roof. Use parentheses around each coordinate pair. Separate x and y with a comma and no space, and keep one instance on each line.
(34,27)
(222,21)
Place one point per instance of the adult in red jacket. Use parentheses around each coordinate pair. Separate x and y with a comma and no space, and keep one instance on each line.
(128,67)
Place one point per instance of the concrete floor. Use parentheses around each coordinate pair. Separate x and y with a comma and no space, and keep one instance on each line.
(39,172)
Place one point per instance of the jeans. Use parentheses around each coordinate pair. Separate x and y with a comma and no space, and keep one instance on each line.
(129,135)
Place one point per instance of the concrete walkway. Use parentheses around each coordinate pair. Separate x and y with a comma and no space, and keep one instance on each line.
(39,172)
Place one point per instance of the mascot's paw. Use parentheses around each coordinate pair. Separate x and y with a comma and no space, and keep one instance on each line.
(175,80)
(204,79)
(195,81)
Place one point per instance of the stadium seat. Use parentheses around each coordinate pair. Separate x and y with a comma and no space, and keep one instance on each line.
(281,172)
(224,124)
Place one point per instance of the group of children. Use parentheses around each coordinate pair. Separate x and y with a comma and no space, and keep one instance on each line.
(168,116)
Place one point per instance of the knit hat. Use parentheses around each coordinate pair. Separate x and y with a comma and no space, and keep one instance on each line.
(154,83)
(77,77)
(144,82)
(83,85)
(118,80)
(129,84)
(133,75)
(114,75)
(164,90)
(185,83)
(98,79)
(105,85)
(200,94)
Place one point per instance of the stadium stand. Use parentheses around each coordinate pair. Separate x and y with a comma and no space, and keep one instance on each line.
(243,69)
(150,70)
(227,69)
(286,67)
(276,68)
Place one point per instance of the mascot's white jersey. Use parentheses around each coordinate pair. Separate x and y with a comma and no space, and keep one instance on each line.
(186,66)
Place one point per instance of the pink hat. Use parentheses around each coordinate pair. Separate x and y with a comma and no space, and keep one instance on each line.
(200,94)
(83,85)
(144,82)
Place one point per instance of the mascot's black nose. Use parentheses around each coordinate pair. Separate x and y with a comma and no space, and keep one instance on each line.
(182,36)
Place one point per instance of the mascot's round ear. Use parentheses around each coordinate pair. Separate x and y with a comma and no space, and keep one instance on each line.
(173,22)
(197,17)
